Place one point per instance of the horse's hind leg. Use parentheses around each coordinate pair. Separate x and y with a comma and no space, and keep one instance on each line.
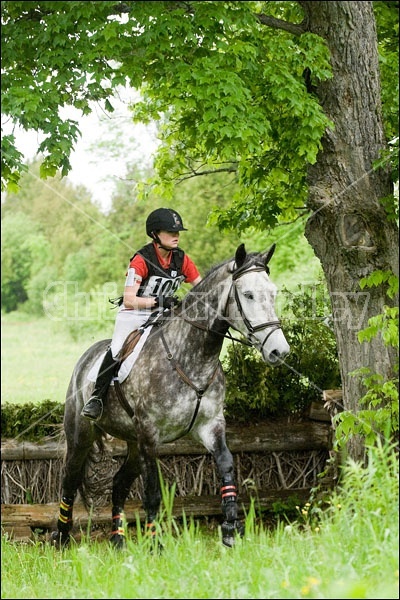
(80,436)
(122,482)
(73,476)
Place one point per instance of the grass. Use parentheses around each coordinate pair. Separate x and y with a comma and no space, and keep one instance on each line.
(346,550)
(37,358)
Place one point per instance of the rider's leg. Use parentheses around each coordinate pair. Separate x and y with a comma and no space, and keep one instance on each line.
(125,322)
(93,409)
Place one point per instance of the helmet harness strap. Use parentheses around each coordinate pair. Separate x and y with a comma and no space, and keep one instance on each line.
(158,241)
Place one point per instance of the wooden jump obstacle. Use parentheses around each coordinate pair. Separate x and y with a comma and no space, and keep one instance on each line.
(251,445)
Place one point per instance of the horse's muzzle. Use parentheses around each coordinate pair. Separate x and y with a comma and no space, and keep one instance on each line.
(277,357)
(275,348)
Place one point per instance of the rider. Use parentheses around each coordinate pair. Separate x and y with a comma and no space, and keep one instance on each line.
(154,274)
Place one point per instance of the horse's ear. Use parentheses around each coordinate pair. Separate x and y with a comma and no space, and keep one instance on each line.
(266,257)
(240,256)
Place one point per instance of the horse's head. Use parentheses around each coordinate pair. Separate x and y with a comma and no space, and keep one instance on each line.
(252,304)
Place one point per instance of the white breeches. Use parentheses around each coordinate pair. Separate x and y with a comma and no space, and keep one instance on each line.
(126,322)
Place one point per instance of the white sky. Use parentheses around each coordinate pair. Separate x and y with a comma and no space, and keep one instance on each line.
(92,166)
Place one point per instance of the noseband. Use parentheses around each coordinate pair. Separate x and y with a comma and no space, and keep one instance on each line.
(274,325)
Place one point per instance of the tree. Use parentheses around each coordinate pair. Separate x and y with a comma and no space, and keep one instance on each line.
(16,229)
(349,229)
(67,217)
(284,97)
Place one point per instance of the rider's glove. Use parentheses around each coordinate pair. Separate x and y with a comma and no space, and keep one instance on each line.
(166,302)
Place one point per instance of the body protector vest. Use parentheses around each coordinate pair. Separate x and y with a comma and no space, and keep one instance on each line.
(160,281)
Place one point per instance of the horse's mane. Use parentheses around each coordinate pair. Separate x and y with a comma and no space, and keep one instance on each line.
(216,274)
(216,267)
(251,259)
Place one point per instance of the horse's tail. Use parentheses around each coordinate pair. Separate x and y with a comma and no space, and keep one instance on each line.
(96,485)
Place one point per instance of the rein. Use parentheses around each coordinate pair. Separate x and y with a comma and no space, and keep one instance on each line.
(227,335)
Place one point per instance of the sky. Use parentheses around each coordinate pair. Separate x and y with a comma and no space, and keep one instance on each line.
(92,166)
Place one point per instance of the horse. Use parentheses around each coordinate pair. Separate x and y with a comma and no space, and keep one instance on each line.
(176,387)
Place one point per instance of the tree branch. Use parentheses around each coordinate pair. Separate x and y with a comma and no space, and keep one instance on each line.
(196,173)
(280,24)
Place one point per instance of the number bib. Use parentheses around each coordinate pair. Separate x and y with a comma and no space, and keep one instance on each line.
(161,281)
(164,286)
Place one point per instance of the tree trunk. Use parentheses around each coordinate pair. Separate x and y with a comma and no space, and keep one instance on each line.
(349,229)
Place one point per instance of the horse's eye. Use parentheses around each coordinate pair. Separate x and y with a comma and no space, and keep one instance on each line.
(249,295)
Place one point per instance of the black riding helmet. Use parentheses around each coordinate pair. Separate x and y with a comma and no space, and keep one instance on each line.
(164,219)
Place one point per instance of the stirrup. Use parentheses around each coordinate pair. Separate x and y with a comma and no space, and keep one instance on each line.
(93,409)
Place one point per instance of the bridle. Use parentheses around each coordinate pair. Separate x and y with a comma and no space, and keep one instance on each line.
(274,325)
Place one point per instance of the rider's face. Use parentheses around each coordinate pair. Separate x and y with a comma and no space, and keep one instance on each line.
(169,239)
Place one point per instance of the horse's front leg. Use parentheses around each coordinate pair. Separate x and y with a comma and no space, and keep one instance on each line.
(215,442)
(231,524)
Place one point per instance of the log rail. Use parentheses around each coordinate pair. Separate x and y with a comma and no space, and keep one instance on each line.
(265,437)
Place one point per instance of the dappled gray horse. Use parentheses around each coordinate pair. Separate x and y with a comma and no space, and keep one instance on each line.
(176,387)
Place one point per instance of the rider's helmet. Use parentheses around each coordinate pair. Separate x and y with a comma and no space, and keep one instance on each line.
(164,219)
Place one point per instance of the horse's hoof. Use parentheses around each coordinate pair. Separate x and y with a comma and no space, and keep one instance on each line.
(59,540)
(118,541)
(156,546)
(230,530)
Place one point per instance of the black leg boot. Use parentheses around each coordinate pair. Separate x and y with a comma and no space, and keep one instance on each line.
(93,409)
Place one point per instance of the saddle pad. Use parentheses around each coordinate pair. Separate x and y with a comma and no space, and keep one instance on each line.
(128,363)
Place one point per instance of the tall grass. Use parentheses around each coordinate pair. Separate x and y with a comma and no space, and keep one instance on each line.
(348,550)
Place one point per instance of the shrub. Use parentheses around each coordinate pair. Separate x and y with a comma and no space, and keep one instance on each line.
(31,421)
(256,390)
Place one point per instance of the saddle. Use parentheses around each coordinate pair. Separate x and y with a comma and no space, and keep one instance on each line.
(130,343)
(156,318)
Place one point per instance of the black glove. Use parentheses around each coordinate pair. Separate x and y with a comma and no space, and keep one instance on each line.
(116,301)
(166,302)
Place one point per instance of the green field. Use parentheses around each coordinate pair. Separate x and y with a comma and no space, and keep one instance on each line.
(37,359)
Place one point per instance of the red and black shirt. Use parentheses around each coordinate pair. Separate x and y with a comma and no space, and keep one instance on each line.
(159,276)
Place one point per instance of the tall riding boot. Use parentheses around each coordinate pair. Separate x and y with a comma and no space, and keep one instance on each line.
(93,409)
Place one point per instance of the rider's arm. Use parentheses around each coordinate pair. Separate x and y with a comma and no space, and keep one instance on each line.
(137,270)
(190,271)
(196,281)
(131,300)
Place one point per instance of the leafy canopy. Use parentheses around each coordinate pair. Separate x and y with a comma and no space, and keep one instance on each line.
(228,92)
